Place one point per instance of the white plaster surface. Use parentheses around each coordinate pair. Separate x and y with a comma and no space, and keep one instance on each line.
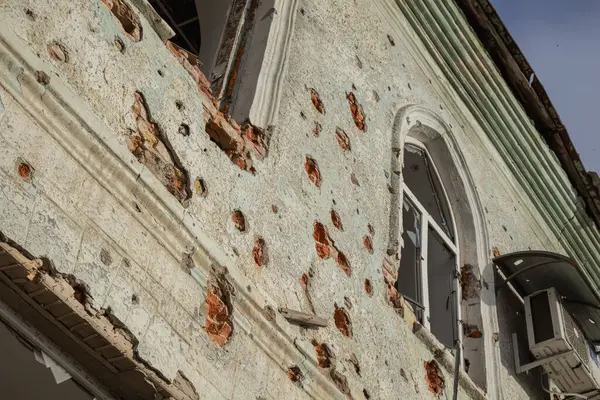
(67,216)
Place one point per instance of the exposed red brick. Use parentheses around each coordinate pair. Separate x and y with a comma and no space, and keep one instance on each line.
(469,282)
(472,331)
(312,169)
(342,321)
(354,180)
(434,378)
(239,220)
(231,141)
(357,112)
(24,171)
(322,241)
(256,139)
(324,354)
(305,284)
(368,244)
(218,324)
(128,20)
(343,263)
(336,220)
(317,129)
(316,100)
(340,381)
(151,149)
(368,288)
(371,230)
(304,281)
(342,139)
(259,252)
(392,292)
(294,373)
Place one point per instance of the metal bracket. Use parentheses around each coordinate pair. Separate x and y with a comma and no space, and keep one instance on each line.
(526,367)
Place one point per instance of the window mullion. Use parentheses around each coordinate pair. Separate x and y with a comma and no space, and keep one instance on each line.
(423,267)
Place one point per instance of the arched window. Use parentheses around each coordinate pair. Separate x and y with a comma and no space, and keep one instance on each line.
(428,270)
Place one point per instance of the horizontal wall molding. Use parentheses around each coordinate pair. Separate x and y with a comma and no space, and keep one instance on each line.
(66,117)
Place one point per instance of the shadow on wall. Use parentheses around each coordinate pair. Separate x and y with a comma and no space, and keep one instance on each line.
(511,319)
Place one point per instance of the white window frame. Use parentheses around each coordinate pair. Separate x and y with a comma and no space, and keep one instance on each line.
(428,221)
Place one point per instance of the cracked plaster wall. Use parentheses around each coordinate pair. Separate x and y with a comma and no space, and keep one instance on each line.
(65,215)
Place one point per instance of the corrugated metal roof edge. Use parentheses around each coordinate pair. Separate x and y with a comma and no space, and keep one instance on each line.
(528,89)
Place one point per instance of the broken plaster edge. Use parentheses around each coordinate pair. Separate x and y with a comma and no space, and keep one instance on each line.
(68,119)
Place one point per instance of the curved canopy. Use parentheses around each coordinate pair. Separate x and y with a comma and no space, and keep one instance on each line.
(532,271)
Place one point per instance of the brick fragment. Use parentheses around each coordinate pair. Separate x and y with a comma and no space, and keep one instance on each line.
(259,252)
(239,220)
(218,324)
(342,321)
(295,374)
(433,377)
(312,169)
(317,102)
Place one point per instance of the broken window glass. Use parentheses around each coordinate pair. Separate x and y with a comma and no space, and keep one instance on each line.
(423,182)
(409,272)
(441,266)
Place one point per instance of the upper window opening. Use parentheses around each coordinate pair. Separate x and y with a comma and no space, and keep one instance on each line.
(182,17)
(422,179)
(428,270)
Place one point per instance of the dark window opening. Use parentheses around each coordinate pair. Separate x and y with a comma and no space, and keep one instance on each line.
(182,17)
(421,179)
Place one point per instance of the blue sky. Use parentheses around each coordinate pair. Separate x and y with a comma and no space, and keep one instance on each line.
(561,40)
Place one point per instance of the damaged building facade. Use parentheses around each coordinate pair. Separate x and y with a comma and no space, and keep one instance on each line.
(269,199)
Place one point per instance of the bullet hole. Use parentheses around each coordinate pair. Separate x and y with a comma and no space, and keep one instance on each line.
(105,257)
(353,87)
(239,220)
(357,112)
(316,100)
(24,170)
(200,187)
(312,169)
(179,105)
(269,313)
(340,381)
(504,227)
(119,45)
(366,394)
(371,229)
(496,252)
(324,354)
(135,299)
(386,363)
(354,180)
(249,288)
(259,252)
(128,20)
(333,202)
(368,243)
(317,130)
(137,207)
(336,220)
(57,52)
(358,211)
(30,14)
(295,374)
(467,365)
(368,288)
(347,303)
(391,40)
(274,209)
(376,96)
(42,78)
(403,374)
(323,243)
(184,130)
(160,73)
(342,321)
(409,87)
(359,62)
(342,139)
(486,210)
(389,89)
(343,263)
(302,11)
(302,115)
(354,361)
(434,378)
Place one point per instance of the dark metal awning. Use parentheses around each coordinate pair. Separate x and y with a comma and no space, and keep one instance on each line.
(531,271)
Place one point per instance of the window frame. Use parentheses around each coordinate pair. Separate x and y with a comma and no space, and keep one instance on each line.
(428,221)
